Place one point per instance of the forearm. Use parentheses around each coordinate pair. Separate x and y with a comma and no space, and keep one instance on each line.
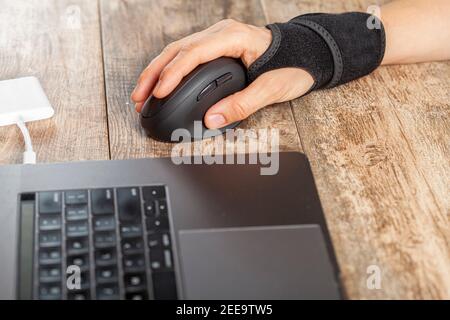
(416,31)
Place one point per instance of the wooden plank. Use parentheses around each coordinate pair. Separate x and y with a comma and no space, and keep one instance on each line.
(134,32)
(378,147)
(47,40)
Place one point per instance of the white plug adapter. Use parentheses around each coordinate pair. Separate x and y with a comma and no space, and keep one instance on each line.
(23,99)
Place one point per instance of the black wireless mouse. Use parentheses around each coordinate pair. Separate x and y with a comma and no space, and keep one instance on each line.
(189,101)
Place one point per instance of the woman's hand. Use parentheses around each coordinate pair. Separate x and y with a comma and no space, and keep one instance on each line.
(225,38)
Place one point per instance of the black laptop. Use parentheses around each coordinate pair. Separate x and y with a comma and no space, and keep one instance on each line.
(152,229)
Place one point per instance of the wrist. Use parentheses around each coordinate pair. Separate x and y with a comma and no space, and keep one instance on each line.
(333,48)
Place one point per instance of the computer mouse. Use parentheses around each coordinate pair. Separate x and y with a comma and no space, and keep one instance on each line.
(186,105)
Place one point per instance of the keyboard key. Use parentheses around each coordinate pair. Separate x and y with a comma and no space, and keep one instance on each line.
(156,265)
(133,262)
(50,291)
(107,291)
(79,212)
(49,256)
(156,259)
(104,223)
(105,239)
(77,245)
(105,257)
(166,240)
(160,259)
(106,274)
(132,245)
(131,230)
(157,224)
(150,208)
(50,273)
(49,239)
(77,229)
(81,261)
(79,295)
(164,286)
(50,202)
(140,295)
(50,222)
(134,280)
(76,197)
(102,201)
(154,192)
(154,240)
(129,204)
(168,259)
(162,207)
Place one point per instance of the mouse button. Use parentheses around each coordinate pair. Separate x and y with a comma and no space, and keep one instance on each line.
(224,78)
(207,90)
(151,107)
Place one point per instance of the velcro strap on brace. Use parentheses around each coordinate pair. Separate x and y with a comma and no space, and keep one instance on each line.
(333,48)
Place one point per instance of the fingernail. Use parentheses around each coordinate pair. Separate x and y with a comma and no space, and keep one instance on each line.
(216,120)
(157,86)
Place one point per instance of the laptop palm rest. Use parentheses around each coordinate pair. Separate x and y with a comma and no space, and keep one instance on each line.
(275,262)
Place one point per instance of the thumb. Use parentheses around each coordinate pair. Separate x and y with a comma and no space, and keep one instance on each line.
(240,105)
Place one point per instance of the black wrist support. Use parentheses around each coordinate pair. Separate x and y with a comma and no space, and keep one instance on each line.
(333,48)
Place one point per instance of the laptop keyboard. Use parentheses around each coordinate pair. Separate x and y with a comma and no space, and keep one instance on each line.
(112,243)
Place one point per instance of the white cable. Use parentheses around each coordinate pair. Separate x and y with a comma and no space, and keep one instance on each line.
(29,156)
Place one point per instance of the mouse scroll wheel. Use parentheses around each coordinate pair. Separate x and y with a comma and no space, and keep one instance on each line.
(214,84)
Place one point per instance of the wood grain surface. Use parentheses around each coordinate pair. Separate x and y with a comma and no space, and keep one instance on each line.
(379,151)
(378,146)
(59,42)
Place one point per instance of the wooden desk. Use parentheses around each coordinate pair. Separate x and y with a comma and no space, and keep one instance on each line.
(379,146)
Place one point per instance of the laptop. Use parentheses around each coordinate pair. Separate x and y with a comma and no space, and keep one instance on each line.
(153,229)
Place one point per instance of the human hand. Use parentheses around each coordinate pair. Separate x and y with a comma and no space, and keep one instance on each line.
(225,38)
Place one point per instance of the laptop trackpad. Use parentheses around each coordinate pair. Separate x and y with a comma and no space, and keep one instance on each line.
(277,262)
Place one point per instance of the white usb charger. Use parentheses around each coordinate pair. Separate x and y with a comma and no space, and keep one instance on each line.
(23,100)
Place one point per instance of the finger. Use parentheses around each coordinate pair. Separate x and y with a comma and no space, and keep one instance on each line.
(151,73)
(188,58)
(242,104)
(138,106)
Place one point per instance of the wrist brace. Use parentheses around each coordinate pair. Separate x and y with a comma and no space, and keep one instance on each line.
(332,48)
